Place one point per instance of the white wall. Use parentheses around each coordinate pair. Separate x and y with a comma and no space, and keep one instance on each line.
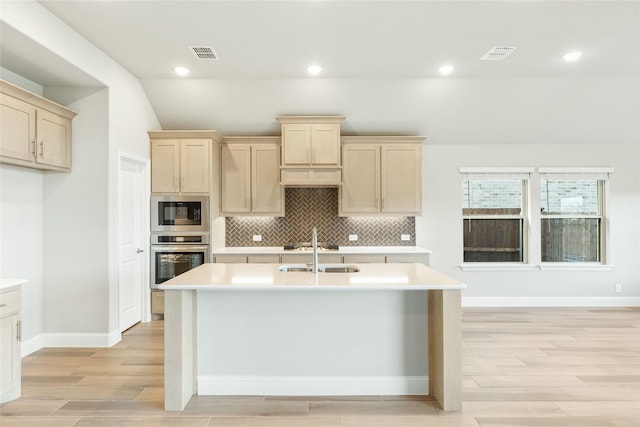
(312,342)
(440,227)
(126,117)
(76,225)
(18,80)
(21,240)
(446,111)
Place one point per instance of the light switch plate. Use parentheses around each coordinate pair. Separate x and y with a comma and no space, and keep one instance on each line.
(405,237)
(257,237)
(353,237)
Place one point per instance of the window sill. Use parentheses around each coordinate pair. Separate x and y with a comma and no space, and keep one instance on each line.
(575,266)
(496,266)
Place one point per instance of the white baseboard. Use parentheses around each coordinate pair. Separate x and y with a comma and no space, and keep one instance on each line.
(82,339)
(69,340)
(312,386)
(32,345)
(550,301)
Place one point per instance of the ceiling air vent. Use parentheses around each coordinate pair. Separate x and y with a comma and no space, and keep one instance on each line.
(204,53)
(497,53)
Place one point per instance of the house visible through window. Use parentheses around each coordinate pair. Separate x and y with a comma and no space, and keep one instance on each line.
(494,217)
(572,217)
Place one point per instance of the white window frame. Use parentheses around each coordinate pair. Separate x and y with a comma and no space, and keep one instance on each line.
(600,174)
(521,173)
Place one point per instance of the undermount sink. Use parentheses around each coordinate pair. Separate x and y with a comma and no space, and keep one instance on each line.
(340,268)
(294,268)
(328,268)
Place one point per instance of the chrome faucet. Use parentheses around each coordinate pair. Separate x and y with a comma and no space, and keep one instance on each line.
(314,244)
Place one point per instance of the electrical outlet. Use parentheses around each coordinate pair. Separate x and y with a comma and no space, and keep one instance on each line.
(353,237)
(405,237)
(257,237)
(618,287)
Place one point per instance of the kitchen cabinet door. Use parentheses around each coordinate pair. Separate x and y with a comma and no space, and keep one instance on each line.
(17,129)
(264,259)
(157,302)
(10,362)
(230,259)
(180,165)
(165,166)
(296,144)
(267,195)
(325,144)
(364,258)
(306,258)
(34,132)
(360,190)
(235,180)
(408,258)
(401,179)
(53,139)
(311,144)
(195,166)
(250,179)
(10,356)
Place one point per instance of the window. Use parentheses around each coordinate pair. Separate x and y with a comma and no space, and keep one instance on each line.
(572,216)
(494,216)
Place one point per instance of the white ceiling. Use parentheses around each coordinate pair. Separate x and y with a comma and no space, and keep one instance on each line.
(359,39)
(378,58)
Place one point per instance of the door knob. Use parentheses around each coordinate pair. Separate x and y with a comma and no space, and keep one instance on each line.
(139,251)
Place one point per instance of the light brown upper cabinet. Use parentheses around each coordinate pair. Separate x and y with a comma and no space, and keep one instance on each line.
(310,150)
(382,176)
(311,144)
(250,177)
(180,165)
(34,132)
(360,191)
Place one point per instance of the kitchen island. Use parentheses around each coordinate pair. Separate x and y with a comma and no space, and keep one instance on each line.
(253,329)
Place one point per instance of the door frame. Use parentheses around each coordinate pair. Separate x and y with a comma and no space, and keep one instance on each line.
(145,169)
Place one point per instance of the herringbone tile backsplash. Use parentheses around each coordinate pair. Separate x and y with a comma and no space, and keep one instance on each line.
(318,207)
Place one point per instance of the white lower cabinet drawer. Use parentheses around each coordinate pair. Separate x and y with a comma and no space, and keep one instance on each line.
(9,302)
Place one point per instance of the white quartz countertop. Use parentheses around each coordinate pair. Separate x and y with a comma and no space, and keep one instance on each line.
(251,250)
(9,283)
(267,277)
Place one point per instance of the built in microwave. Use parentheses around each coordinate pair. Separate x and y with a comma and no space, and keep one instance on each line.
(179,213)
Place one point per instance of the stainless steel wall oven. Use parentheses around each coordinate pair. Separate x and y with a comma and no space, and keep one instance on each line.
(174,253)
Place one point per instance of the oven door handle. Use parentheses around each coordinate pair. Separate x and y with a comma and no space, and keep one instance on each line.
(180,248)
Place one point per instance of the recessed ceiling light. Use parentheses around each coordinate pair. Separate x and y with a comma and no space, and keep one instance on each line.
(572,56)
(314,69)
(445,70)
(181,71)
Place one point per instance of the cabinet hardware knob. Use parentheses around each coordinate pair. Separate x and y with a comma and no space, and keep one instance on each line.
(41,148)
(3,305)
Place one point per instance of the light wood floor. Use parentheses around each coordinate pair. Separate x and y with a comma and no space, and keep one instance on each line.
(522,367)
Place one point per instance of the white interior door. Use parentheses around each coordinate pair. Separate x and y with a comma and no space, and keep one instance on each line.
(131,269)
